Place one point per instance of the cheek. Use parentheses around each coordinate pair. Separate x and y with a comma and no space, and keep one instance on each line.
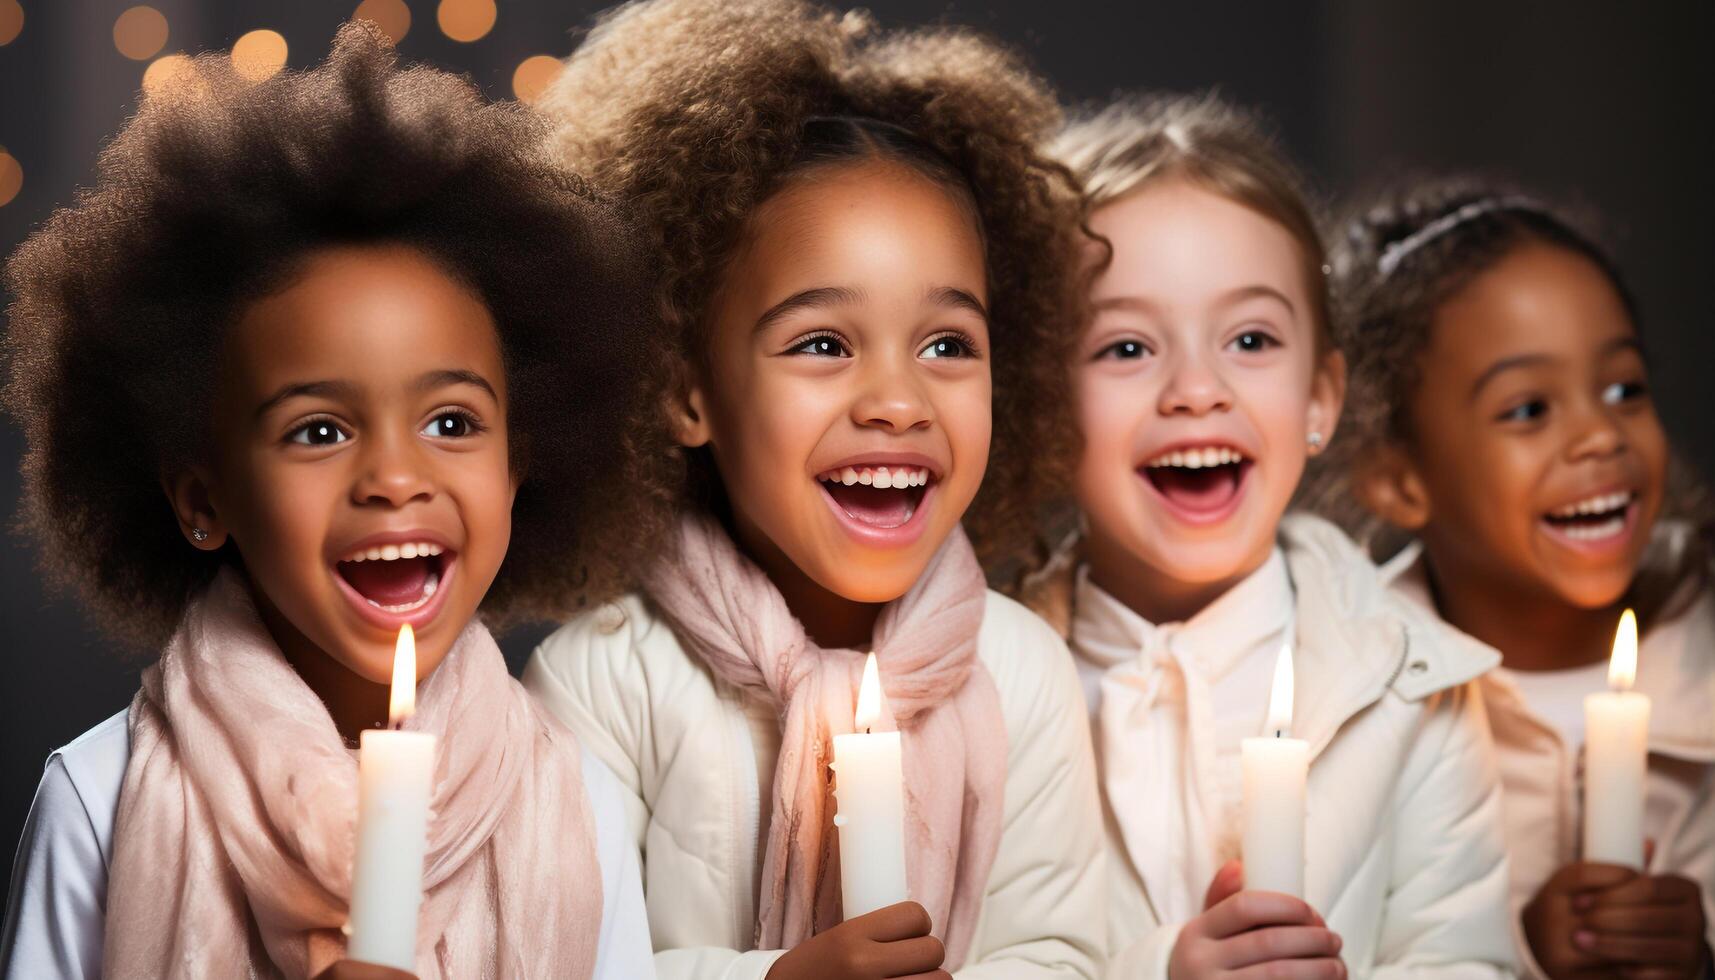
(1110,409)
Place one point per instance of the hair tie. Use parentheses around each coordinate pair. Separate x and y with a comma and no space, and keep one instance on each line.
(1398,251)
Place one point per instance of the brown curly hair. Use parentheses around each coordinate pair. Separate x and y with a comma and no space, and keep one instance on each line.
(696,111)
(1399,257)
(208,200)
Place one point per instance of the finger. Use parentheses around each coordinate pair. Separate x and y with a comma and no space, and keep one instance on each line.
(1648,890)
(1641,920)
(931,975)
(1585,876)
(1322,969)
(1277,943)
(1248,910)
(1228,881)
(1644,950)
(908,957)
(905,920)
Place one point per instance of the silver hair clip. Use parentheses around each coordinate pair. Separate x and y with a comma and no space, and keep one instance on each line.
(1397,252)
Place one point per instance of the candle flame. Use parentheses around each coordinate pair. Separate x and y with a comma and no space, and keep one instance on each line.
(1280,698)
(403,700)
(1623,664)
(869,696)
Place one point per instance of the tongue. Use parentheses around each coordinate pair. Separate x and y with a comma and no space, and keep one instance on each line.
(1197,490)
(390,583)
(870,505)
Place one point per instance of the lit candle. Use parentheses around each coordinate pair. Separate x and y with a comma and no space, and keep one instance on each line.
(1616,750)
(1275,769)
(869,787)
(395,773)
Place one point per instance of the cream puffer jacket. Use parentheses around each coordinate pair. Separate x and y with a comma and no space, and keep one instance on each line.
(1403,852)
(697,758)
(1542,777)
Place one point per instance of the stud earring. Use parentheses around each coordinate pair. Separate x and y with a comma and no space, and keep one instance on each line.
(198,535)
(1315,440)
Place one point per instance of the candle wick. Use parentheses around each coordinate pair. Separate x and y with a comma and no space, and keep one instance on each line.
(866,729)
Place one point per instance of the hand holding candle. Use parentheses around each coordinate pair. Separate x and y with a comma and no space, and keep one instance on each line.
(869,787)
(1276,768)
(1616,752)
(395,776)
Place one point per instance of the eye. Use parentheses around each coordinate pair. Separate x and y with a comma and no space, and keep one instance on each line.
(1123,350)
(1624,391)
(820,345)
(452,424)
(950,345)
(317,432)
(1526,411)
(1253,342)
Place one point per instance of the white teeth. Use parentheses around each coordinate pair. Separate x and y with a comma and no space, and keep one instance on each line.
(407,551)
(412,549)
(848,476)
(432,583)
(1601,504)
(1199,458)
(1595,532)
(885,477)
(373,554)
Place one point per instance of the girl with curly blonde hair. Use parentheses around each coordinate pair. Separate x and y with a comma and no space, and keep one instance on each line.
(869,278)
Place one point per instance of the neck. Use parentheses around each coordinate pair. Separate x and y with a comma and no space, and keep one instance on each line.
(1532,631)
(353,702)
(831,620)
(1150,592)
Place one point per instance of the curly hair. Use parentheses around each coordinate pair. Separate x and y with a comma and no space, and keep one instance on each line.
(696,111)
(1403,254)
(208,200)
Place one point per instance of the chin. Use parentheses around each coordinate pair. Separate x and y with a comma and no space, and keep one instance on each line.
(1595,591)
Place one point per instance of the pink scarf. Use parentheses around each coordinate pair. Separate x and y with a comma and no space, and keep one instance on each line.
(729,615)
(233,848)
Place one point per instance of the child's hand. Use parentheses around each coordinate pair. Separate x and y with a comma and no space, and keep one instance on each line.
(889,942)
(353,970)
(1652,926)
(1552,917)
(1251,934)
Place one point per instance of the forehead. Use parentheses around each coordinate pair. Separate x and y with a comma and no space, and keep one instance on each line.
(1176,241)
(1537,299)
(364,313)
(879,225)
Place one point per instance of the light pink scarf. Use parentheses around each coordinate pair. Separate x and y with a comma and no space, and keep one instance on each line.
(729,615)
(233,848)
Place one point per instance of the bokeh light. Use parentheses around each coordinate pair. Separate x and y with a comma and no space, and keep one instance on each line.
(174,74)
(11,21)
(533,76)
(11,177)
(140,33)
(466,20)
(392,16)
(259,54)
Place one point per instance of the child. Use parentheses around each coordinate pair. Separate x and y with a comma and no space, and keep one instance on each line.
(357,329)
(1205,380)
(1504,420)
(862,250)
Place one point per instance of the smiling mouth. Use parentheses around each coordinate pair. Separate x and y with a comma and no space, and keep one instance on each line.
(1199,480)
(878,496)
(1596,518)
(398,578)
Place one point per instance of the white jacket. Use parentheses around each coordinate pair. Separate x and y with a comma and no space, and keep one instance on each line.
(1542,776)
(697,758)
(1403,850)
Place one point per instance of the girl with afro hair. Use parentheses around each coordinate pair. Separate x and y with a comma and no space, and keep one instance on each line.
(869,282)
(1503,431)
(316,359)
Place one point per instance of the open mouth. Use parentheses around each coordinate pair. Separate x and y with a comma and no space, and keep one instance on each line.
(1203,480)
(1596,518)
(883,497)
(399,579)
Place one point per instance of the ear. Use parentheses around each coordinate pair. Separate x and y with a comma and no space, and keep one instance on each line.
(687,412)
(188,492)
(1388,484)
(1327,396)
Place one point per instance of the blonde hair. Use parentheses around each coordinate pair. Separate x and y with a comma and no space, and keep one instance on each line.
(1218,146)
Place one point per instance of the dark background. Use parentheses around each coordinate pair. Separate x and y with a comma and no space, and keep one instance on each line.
(1613,105)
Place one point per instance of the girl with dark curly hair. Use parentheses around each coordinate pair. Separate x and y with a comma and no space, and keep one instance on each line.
(870,278)
(292,375)
(1205,381)
(1502,418)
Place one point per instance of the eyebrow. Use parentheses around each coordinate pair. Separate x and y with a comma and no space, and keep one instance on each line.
(348,390)
(446,377)
(959,298)
(1257,291)
(1531,360)
(808,299)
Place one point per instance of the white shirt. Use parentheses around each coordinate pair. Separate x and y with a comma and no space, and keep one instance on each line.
(1557,696)
(56,915)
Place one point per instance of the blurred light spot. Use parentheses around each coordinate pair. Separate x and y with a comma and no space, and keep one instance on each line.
(465,20)
(259,54)
(11,178)
(174,74)
(11,20)
(392,16)
(140,33)
(533,76)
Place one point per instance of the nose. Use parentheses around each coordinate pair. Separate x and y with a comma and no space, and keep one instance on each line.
(1194,388)
(1596,432)
(892,398)
(392,472)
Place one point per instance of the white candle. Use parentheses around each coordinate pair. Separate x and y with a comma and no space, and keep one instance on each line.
(395,774)
(869,787)
(1616,752)
(1275,769)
